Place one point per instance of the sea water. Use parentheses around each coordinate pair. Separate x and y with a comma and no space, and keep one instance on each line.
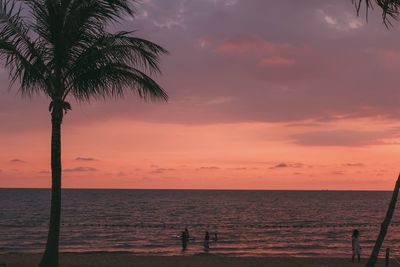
(149,222)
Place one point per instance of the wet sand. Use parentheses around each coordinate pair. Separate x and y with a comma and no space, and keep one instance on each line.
(130,260)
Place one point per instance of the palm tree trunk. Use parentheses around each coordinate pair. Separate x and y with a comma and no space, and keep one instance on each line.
(50,256)
(384,226)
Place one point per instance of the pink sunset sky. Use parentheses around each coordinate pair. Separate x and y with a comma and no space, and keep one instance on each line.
(263,95)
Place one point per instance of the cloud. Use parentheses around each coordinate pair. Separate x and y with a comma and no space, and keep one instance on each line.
(81,169)
(330,75)
(387,56)
(328,19)
(85,159)
(169,16)
(204,42)
(17,161)
(227,3)
(287,165)
(357,164)
(123,173)
(380,172)
(162,170)
(272,53)
(208,168)
(341,137)
(280,165)
(344,21)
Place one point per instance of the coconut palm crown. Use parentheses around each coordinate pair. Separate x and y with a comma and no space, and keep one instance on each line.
(62,49)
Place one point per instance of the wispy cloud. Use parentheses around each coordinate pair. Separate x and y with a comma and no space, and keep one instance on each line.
(356,164)
(81,169)
(247,44)
(341,137)
(85,159)
(344,21)
(17,161)
(287,165)
(208,168)
(175,18)
(162,170)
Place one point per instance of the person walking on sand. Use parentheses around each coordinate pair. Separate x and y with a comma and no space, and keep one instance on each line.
(207,241)
(355,245)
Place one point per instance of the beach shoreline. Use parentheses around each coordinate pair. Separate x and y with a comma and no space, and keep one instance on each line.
(127,259)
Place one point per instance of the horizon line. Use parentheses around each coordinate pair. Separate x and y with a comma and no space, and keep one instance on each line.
(202,189)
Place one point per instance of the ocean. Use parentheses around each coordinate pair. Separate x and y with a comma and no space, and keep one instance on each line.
(248,223)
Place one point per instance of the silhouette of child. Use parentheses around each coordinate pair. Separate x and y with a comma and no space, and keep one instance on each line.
(355,245)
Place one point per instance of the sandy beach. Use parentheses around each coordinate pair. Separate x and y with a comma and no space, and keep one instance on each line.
(129,260)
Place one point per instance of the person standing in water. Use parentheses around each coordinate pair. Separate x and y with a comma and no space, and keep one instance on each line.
(207,241)
(215,238)
(187,233)
(355,245)
(184,240)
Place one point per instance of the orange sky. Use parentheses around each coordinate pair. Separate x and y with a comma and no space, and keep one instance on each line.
(255,103)
(130,154)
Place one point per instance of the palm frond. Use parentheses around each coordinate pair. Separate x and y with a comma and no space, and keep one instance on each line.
(63,24)
(390,8)
(113,79)
(23,58)
(64,49)
(127,58)
(118,47)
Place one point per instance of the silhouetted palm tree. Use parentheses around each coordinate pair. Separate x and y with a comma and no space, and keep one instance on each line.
(390,9)
(384,226)
(61,48)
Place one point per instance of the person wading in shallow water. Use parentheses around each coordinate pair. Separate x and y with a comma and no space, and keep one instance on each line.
(207,241)
(187,233)
(355,245)
(184,238)
(215,238)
